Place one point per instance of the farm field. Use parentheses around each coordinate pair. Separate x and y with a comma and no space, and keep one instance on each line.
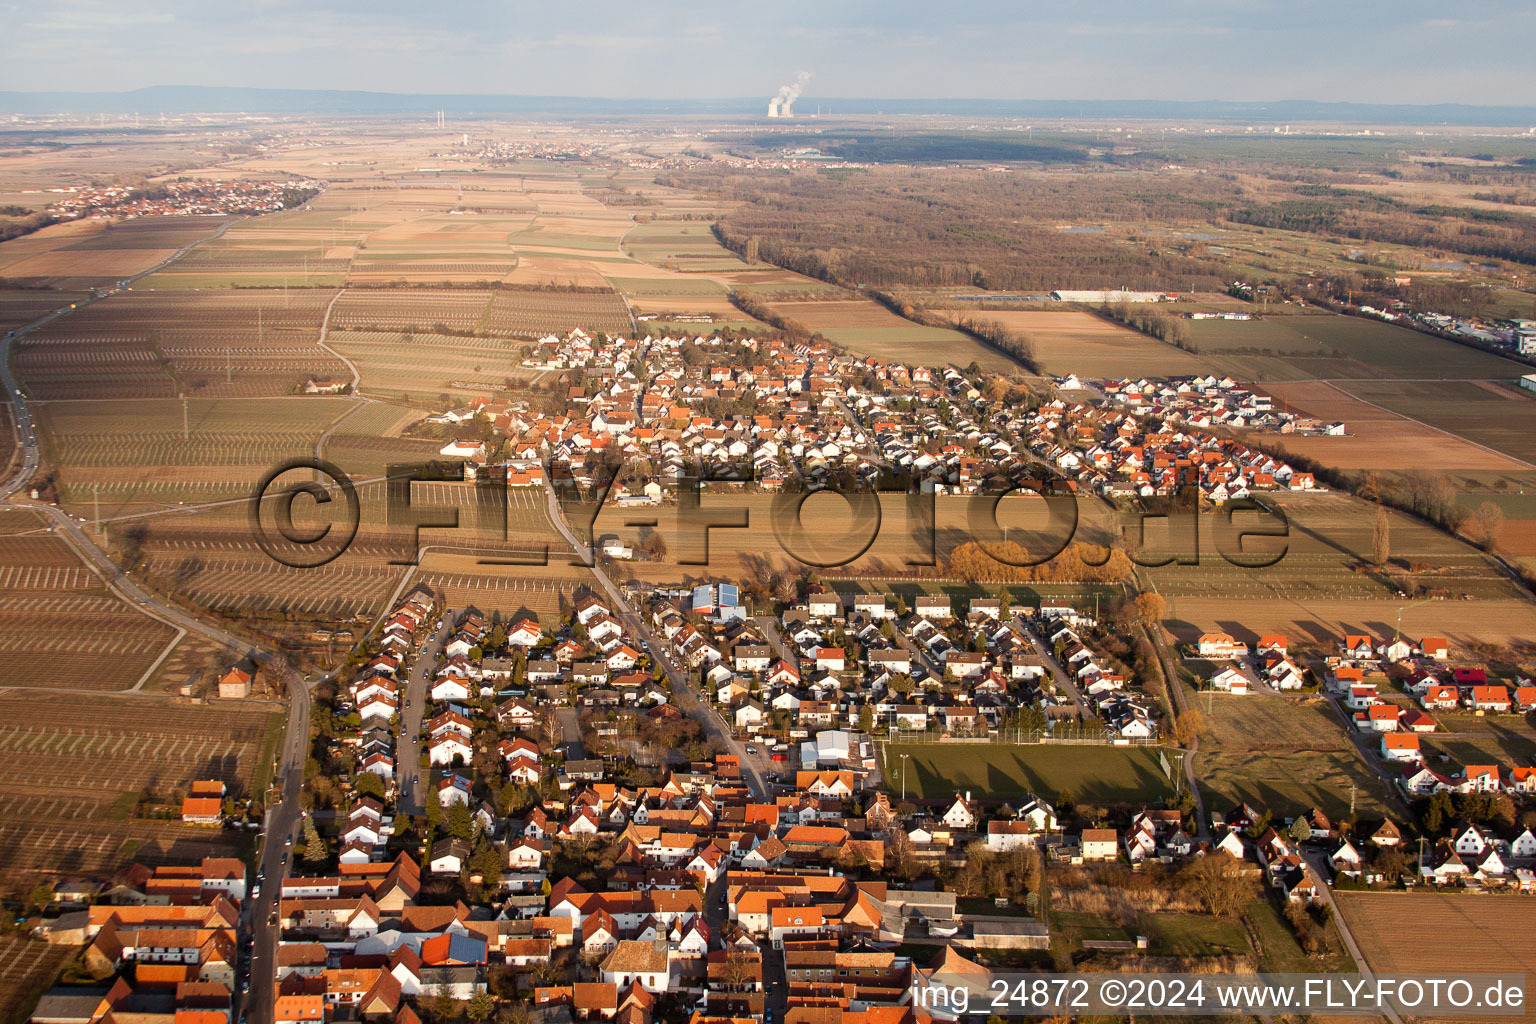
(1087,344)
(533,314)
(1497,927)
(1318,345)
(422,366)
(1496,743)
(1329,536)
(142,344)
(22,306)
(1288,754)
(868,328)
(1502,417)
(1092,773)
(1377,438)
(413,310)
(80,764)
(108,644)
(831,533)
(28,967)
(1321,621)
(161,452)
(84,258)
(687,246)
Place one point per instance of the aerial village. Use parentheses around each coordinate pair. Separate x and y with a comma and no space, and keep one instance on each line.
(672,805)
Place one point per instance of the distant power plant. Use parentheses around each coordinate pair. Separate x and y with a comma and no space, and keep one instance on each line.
(783,102)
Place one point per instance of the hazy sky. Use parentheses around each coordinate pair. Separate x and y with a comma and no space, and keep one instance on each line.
(1408,51)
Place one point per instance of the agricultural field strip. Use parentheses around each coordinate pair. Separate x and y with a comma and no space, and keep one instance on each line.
(525,505)
(33,577)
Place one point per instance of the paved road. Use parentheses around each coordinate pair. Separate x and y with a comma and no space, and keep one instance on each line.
(781,648)
(1059,675)
(1319,872)
(1176,695)
(1368,746)
(283,816)
(570,733)
(684,693)
(413,794)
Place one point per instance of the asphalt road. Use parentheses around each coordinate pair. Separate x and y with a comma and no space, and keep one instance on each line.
(684,693)
(412,792)
(282,817)
(1059,676)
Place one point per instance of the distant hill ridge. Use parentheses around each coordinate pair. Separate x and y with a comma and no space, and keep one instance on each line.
(185,99)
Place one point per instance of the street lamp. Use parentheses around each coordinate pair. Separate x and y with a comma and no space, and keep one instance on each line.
(904,777)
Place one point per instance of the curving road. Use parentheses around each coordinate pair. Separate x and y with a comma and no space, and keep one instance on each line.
(282,815)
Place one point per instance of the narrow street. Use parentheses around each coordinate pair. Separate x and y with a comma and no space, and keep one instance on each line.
(282,818)
(412,790)
(684,693)
(1059,676)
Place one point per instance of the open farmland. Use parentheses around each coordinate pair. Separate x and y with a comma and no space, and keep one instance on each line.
(88,259)
(1494,415)
(1329,536)
(1090,772)
(28,966)
(828,533)
(687,246)
(60,628)
(398,309)
(425,365)
(146,344)
(22,306)
(1377,437)
(1285,753)
(80,764)
(1086,344)
(1496,930)
(533,314)
(164,452)
(866,327)
(1322,622)
(1316,345)
(510,592)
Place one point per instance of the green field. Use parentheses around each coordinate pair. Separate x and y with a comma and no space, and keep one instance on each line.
(175,281)
(666,286)
(1169,934)
(1501,417)
(1100,774)
(1321,345)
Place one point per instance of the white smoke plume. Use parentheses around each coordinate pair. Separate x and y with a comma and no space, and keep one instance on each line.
(787,94)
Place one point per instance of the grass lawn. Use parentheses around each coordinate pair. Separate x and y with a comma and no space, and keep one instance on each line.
(1495,746)
(1093,773)
(1289,783)
(1167,934)
(1280,953)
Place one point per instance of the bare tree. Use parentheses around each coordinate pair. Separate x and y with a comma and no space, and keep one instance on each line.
(1487,523)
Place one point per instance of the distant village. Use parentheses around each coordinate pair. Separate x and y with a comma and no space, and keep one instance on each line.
(523,810)
(678,802)
(186,197)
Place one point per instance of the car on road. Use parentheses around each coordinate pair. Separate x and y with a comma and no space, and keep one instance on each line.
(751,749)
(288,840)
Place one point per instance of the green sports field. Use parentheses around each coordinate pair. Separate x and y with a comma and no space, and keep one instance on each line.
(1100,774)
